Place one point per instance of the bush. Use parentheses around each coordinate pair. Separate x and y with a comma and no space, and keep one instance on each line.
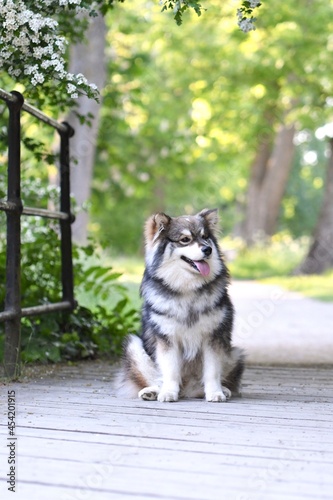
(91,330)
(277,257)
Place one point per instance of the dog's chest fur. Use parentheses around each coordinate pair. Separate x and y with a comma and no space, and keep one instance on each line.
(186,319)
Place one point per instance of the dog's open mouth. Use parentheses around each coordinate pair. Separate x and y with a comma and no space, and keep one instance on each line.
(199,265)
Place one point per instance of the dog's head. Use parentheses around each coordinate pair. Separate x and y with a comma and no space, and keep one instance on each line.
(183,250)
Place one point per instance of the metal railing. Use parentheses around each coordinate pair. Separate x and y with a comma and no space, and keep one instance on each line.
(14,209)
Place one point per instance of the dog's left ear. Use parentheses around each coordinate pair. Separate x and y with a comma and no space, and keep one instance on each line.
(210,216)
(155,225)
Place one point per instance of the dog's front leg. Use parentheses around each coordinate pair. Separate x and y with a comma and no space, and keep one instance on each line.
(168,359)
(212,376)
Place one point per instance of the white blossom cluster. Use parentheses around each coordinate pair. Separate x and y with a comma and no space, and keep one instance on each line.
(245,20)
(32,48)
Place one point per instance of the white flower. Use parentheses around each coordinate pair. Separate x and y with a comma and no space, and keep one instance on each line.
(71,88)
(239,14)
(38,52)
(37,78)
(247,25)
(6,54)
(14,72)
(28,70)
(245,22)
(31,36)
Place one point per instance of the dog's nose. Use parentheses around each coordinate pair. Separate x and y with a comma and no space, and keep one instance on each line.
(206,250)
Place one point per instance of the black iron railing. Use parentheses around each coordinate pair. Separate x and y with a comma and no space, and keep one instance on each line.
(14,209)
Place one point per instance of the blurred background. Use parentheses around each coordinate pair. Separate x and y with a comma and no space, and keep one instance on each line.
(191,116)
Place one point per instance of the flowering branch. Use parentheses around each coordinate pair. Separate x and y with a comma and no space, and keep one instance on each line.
(244,15)
(32,48)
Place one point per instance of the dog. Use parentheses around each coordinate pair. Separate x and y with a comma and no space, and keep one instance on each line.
(185,348)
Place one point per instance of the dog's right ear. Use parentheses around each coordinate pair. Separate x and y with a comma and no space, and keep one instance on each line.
(155,225)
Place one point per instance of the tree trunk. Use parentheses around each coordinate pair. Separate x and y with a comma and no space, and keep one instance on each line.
(275,181)
(257,176)
(320,255)
(86,58)
(269,175)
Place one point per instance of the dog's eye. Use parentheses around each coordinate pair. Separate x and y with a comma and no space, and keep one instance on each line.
(185,240)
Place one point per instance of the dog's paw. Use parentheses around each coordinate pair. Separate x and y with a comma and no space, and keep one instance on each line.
(218,396)
(227,392)
(148,394)
(168,396)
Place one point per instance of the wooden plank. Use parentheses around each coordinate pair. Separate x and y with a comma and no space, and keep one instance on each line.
(177,415)
(254,450)
(203,414)
(169,481)
(130,455)
(77,440)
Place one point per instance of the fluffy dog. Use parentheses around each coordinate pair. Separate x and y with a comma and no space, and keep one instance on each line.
(185,347)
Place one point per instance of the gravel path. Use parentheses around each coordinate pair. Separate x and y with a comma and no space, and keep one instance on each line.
(278,327)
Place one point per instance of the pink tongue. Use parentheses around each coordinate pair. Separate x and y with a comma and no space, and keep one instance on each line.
(202,266)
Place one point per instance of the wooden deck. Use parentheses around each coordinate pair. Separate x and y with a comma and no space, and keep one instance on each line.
(76,440)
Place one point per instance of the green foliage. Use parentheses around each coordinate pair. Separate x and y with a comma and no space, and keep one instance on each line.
(34,39)
(183,114)
(165,153)
(180,6)
(99,324)
(90,330)
(279,257)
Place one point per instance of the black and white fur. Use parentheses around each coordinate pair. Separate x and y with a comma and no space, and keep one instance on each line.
(185,347)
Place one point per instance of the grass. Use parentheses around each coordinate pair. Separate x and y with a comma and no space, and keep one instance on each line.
(274,264)
(313,286)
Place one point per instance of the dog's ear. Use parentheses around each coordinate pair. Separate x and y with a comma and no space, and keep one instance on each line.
(155,225)
(211,217)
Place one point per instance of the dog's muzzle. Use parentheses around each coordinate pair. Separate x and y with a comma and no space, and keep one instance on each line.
(201,266)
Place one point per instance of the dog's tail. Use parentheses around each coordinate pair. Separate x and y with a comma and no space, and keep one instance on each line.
(137,370)
(233,371)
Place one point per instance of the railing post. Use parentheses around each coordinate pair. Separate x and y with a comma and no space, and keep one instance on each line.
(65,225)
(13,312)
(13,267)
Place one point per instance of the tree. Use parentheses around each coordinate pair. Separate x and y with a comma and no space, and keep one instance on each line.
(154,141)
(33,51)
(87,58)
(212,121)
(295,96)
(204,106)
(320,255)
(34,36)
(268,179)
